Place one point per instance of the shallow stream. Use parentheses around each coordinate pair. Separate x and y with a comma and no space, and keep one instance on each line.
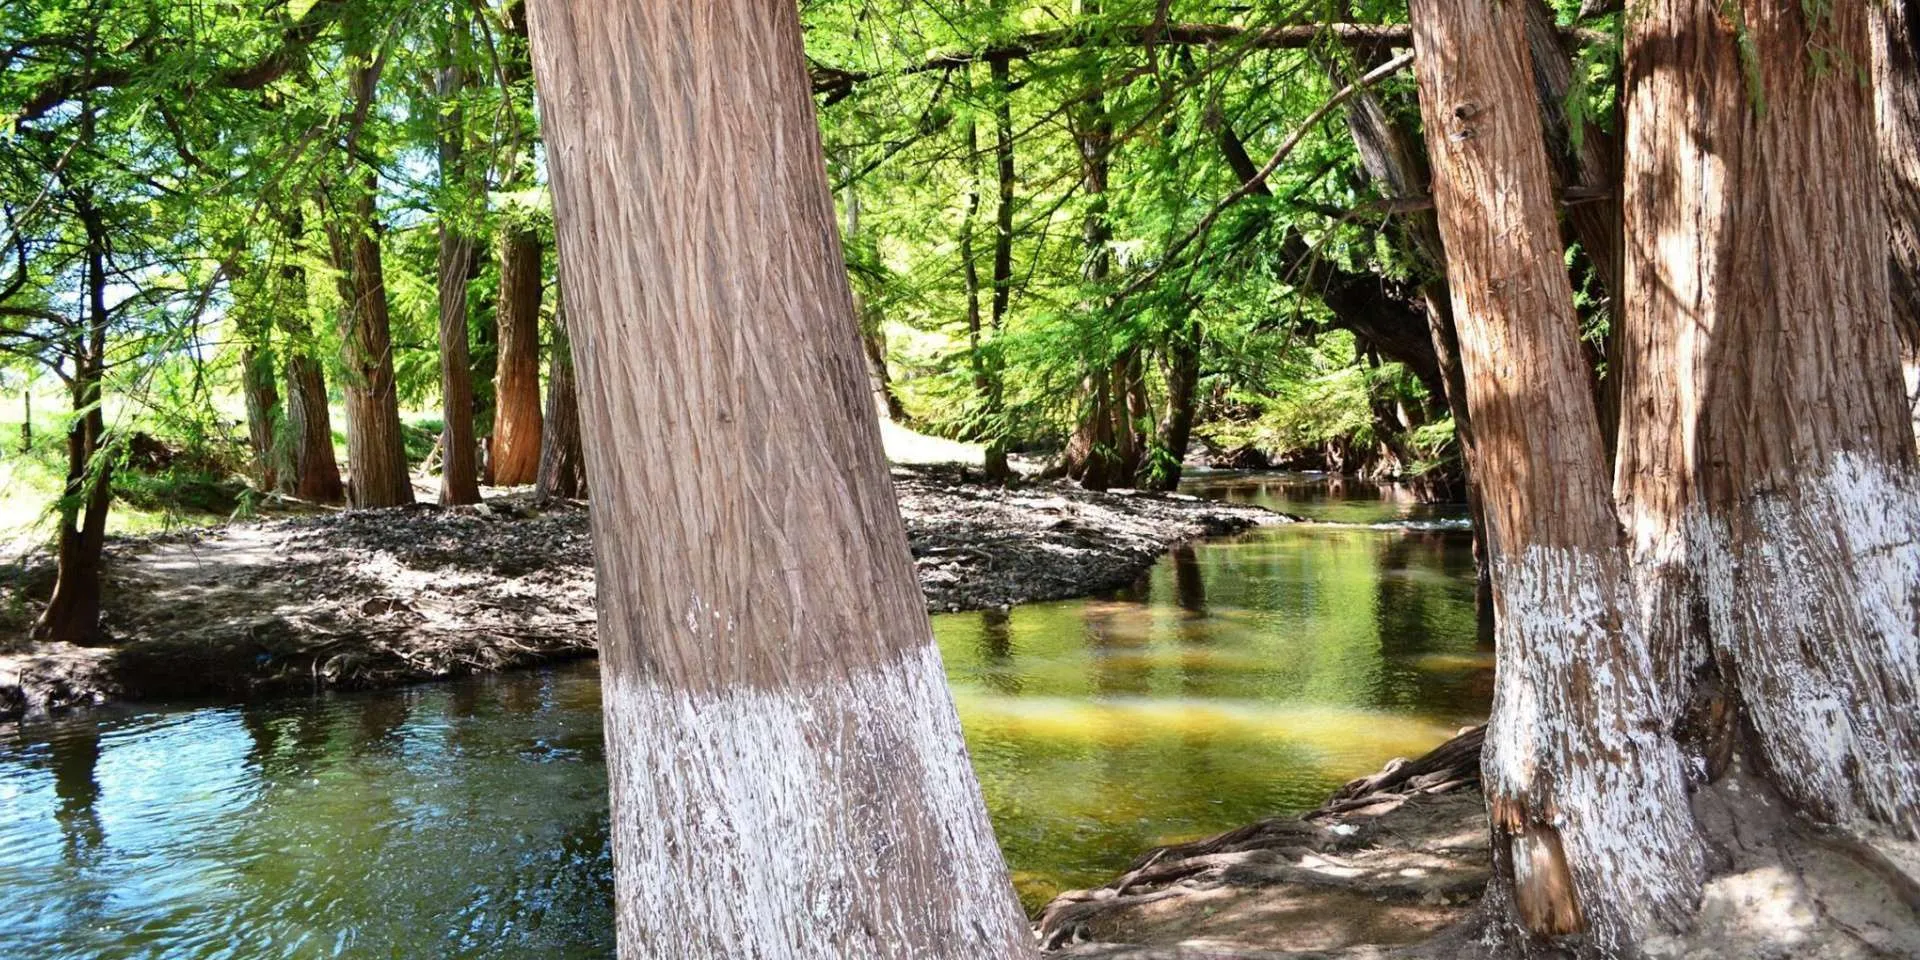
(1242,677)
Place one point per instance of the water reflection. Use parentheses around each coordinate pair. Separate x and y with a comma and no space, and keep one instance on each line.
(1241,678)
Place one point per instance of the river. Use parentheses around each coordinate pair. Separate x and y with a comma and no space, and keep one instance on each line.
(1243,677)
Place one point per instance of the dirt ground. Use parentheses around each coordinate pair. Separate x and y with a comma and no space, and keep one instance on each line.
(1394,867)
(381,597)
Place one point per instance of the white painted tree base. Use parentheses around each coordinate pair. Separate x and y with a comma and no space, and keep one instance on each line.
(837,819)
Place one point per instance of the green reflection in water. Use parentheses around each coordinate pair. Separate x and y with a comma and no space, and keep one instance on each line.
(1242,678)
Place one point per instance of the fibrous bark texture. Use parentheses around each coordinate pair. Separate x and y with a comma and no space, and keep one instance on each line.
(514,448)
(789,778)
(563,464)
(1896,84)
(376,452)
(459,457)
(1587,799)
(459,453)
(308,469)
(1765,472)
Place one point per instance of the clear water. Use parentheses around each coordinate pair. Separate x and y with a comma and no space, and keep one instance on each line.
(1242,678)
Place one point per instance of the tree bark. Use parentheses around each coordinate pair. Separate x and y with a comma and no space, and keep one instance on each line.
(376,453)
(1002,301)
(73,612)
(514,448)
(308,470)
(1180,368)
(563,465)
(1766,461)
(459,454)
(873,331)
(788,773)
(1093,455)
(257,375)
(1896,67)
(1585,805)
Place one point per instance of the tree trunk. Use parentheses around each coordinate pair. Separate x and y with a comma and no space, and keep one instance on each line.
(1093,456)
(459,455)
(1896,81)
(873,331)
(73,612)
(376,453)
(563,465)
(459,451)
(1393,159)
(1585,805)
(307,466)
(1181,370)
(1770,506)
(986,383)
(996,456)
(514,449)
(788,773)
(1089,454)
(1130,408)
(257,375)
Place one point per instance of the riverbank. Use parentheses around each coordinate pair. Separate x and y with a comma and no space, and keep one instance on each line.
(1394,866)
(376,598)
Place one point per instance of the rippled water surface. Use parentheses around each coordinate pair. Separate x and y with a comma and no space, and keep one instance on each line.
(1242,678)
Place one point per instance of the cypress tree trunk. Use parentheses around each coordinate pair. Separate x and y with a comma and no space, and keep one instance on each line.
(73,612)
(789,777)
(997,468)
(1180,368)
(376,453)
(1750,642)
(307,467)
(1585,807)
(459,451)
(1771,504)
(563,465)
(1093,455)
(1896,81)
(514,449)
(459,456)
(262,395)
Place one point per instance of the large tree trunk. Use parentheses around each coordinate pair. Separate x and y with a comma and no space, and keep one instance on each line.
(514,449)
(73,612)
(1766,458)
(788,773)
(1585,804)
(376,452)
(307,467)
(1393,159)
(563,464)
(459,455)
(1896,82)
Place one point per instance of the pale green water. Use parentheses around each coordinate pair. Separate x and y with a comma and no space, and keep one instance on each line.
(1242,678)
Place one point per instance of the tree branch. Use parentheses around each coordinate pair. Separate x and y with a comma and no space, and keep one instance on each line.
(836,84)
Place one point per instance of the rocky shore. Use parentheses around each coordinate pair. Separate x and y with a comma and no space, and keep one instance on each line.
(391,596)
